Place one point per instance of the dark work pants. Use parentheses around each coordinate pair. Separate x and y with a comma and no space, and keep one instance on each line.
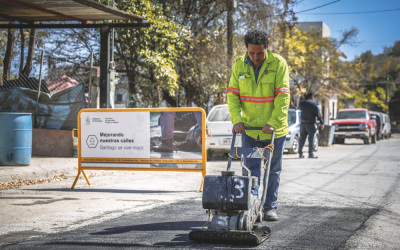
(307,128)
(254,165)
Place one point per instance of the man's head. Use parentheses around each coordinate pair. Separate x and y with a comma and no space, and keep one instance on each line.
(309,96)
(256,43)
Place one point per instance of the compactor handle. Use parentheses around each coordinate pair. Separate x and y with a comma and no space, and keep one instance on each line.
(234,138)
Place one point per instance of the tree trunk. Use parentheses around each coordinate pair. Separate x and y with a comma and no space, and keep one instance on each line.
(131,82)
(31,51)
(229,20)
(153,82)
(169,99)
(21,63)
(8,55)
(188,95)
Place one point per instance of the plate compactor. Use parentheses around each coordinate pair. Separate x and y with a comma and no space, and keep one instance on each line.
(237,214)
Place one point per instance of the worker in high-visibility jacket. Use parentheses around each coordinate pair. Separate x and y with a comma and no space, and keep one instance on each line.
(259,96)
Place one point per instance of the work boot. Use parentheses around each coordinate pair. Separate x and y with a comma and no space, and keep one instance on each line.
(270,216)
(301,155)
(166,146)
(312,156)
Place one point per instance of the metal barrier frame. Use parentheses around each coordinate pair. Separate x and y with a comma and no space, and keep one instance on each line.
(203,170)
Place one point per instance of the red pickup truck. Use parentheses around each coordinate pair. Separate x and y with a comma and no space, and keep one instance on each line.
(355,123)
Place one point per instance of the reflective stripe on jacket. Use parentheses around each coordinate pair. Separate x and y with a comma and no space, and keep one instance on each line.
(265,101)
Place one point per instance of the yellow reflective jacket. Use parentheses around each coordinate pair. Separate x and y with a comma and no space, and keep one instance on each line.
(263,102)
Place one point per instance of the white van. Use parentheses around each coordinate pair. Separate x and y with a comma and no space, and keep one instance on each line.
(386,131)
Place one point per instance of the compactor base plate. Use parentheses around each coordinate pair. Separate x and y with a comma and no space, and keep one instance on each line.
(255,237)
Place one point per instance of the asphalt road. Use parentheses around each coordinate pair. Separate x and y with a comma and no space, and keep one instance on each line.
(349,198)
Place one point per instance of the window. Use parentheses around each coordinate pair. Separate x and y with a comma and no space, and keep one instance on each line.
(220,114)
(352,115)
(119,98)
(291,117)
(378,120)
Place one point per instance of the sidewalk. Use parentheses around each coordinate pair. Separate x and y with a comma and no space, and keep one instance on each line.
(40,168)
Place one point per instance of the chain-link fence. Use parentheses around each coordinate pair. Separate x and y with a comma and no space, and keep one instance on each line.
(62,86)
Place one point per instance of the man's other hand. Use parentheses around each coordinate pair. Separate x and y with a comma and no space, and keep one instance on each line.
(322,127)
(238,128)
(267,129)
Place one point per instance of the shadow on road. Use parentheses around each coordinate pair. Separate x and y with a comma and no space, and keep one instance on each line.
(168,226)
(118,191)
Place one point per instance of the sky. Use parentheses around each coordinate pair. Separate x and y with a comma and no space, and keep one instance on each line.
(376,30)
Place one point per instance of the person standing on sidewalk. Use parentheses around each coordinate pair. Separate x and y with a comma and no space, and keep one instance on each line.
(259,96)
(309,114)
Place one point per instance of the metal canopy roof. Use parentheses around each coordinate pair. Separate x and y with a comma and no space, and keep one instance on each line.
(60,10)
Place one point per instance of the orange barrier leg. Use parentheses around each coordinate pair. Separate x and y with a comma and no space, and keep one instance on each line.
(202,183)
(87,180)
(76,179)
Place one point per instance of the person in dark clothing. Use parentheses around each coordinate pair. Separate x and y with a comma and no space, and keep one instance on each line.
(309,114)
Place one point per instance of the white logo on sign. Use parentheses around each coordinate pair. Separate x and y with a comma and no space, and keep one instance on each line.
(87,120)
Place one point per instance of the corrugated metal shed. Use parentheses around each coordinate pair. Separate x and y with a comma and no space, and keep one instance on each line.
(60,10)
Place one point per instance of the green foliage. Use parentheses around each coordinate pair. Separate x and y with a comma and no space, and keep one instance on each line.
(367,56)
(370,70)
(313,62)
(202,67)
(149,54)
(371,99)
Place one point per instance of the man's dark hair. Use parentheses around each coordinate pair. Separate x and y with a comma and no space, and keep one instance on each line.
(308,95)
(256,37)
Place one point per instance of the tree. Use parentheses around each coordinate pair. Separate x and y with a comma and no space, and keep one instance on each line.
(370,70)
(31,52)
(204,68)
(16,41)
(314,61)
(9,53)
(393,50)
(68,52)
(149,55)
(207,43)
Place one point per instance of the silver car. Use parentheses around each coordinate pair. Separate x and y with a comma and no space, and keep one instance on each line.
(293,137)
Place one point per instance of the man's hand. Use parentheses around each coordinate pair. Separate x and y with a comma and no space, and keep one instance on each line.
(238,128)
(267,129)
(322,127)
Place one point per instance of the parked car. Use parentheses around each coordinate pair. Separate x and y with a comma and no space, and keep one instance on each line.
(379,124)
(218,120)
(293,137)
(387,127)
(355,123)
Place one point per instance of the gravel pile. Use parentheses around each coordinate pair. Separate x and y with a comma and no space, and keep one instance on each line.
(23,182)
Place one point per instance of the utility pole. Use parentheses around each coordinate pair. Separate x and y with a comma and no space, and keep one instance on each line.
(387,82)
(104,66)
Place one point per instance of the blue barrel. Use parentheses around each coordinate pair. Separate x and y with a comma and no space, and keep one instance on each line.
(15,138)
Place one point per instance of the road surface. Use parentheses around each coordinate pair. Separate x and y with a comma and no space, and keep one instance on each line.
(349,198)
